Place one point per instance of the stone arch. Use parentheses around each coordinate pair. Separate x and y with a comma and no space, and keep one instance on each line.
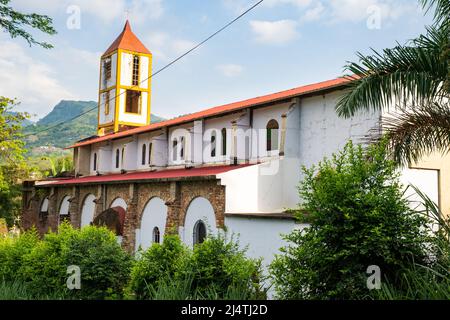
(199,209)
(64,207)
(44,205)
(119,202)
(88,210)
(153,215)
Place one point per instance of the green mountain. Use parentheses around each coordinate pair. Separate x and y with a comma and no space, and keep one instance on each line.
(45,137)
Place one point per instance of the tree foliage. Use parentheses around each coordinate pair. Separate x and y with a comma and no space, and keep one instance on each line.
(408,79)
(14,23)
(358,217)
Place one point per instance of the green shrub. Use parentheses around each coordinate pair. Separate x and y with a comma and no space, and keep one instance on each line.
(42,264)
(157,263)
(13,249)
(215,269)
(218,265)
(358,217)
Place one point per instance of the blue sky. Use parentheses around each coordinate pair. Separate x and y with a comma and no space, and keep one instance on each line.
(280,45)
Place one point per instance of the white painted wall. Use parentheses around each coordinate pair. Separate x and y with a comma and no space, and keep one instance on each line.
(119,202)
(104,119)
(154,215)
(112,81)
(425,180)
(177,133)
(199,209)
(44,205)
(65,205)
(88,210)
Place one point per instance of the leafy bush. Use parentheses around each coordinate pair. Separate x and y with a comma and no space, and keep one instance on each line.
(217,265)
(358,218)
(42,264)
(158,262)
(215,269)
(13,249)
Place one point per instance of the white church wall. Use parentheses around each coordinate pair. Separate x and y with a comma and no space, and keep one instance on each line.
(143,72)
(139,118)
(160,150)
(143,139)
(107,83)
(265,187)
(65,205)
(199,209)
(217,124)
(107,118)
(182,153)
(154,215)
(126,67)
(426,180)
(119,202)
(261,117)
(88,210)
(263,236)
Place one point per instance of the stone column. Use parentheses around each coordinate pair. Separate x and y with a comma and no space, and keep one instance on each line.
(173,209)
(52,219)
(130,224)
(75,208)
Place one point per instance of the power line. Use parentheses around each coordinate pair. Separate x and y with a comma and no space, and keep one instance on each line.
(157,72)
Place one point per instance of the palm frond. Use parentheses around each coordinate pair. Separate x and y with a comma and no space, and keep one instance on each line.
(418,131)
(413,72)
(442,9)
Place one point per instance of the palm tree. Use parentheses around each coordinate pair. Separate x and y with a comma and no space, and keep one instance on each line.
(413,81)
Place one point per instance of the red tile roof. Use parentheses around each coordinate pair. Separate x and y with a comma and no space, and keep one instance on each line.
(147,175)
(127,40)
(299,91)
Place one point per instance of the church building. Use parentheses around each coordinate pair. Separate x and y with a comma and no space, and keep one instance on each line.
(234,167)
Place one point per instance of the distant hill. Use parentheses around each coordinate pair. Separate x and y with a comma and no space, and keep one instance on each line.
(25,122)
(67,133)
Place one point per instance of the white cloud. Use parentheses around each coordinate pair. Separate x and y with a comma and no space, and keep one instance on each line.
(165,47)
(313,14)
(274,32)
(357,10)
(33,83)
(230,70)
(107,11)
(297,3)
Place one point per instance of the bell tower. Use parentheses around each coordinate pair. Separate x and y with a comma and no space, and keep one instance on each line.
(125,84)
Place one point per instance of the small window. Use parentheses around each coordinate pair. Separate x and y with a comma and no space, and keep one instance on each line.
(123,157)
(144,154)
(199,232)
(272,135)
(133,99)
(117,158)
(107,68)
(150,147)
(95,162)
(174,149)
(106,97)
(44,205)
(224,142)
(135,70)
(213,144)
(182,149)
(156,235)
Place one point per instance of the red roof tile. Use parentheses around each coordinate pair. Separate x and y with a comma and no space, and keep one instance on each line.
(147,175)
(127,40)
(299,91)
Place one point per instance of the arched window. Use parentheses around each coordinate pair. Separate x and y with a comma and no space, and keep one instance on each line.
(144,153)
(44,205)
(182,149)
(272,135)
(123,157)
(150,147)
(156,235)
(213,144)
(117,158)
(224,142)
(95,162)
(174,149)
(199,232)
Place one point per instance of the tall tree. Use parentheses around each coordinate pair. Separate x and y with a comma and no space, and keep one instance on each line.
(412,81)
(12,165)
(14,22)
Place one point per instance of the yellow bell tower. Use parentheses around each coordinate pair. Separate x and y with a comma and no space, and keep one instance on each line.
(125,84)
